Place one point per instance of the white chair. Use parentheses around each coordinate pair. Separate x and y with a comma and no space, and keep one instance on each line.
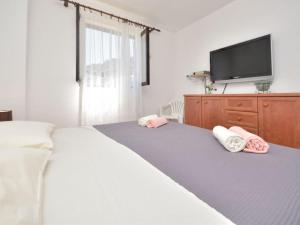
(173,111)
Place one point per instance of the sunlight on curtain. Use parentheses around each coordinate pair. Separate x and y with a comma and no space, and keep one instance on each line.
(111,83)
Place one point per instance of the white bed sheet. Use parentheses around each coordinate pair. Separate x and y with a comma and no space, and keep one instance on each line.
(93,180)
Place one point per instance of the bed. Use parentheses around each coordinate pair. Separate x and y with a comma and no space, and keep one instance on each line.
(94,180)
(124,174)
(248,189)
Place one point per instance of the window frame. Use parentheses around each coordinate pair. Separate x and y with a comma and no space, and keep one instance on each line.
(147,55)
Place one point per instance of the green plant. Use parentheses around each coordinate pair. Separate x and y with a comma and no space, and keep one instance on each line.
(210,88)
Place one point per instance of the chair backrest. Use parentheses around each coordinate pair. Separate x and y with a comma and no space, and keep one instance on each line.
(177,107)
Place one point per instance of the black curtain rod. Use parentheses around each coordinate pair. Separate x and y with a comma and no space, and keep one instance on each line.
(77,5)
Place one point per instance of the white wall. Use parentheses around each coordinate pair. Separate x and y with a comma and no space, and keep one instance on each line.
(52,93)
(13,23)
(239,21)
(160,91)
(50,87)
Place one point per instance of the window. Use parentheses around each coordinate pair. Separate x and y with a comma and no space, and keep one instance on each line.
(103,56)
(111,86)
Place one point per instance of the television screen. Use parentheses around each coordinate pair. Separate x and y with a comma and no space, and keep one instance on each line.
(247,61)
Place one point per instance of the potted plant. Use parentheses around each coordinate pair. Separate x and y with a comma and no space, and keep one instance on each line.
(209,88)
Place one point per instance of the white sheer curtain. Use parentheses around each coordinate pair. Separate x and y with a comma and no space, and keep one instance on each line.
(111,80)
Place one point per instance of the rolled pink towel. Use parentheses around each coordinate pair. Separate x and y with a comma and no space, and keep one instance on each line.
(254,143)
(156,122)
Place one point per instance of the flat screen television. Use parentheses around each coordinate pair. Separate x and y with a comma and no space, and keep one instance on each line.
(246,61)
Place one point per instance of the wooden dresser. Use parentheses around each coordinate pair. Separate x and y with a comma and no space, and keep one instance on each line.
(274,117)
(5,115)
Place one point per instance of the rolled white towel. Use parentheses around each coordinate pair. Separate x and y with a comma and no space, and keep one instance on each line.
(143,121)
(230,140)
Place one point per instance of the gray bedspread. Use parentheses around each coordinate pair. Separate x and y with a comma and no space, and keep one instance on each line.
(249,189)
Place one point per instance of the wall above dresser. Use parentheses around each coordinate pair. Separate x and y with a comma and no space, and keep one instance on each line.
(274,117)
(237,22)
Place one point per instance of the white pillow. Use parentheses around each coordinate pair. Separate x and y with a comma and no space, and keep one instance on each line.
(26,134)
(21,178)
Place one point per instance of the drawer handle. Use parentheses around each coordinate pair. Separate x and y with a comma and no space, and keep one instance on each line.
(266,105)
(239,119)
(240,104)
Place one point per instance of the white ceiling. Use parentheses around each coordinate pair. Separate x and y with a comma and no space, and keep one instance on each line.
(171,14)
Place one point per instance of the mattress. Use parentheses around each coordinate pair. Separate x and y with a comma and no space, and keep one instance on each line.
(249,189)
(93,180)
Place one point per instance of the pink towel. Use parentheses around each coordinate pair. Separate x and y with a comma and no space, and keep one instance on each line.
(156,122)
(254,143)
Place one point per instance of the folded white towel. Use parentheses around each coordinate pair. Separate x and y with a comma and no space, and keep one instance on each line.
(230,140)
(143,121)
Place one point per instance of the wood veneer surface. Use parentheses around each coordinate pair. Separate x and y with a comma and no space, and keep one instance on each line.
(275,117)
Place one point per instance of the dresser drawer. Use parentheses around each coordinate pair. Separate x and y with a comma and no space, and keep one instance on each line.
(245,104)
(247,119)
(192,111)
(249,129)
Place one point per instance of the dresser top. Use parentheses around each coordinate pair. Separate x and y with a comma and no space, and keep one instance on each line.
(296,94)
